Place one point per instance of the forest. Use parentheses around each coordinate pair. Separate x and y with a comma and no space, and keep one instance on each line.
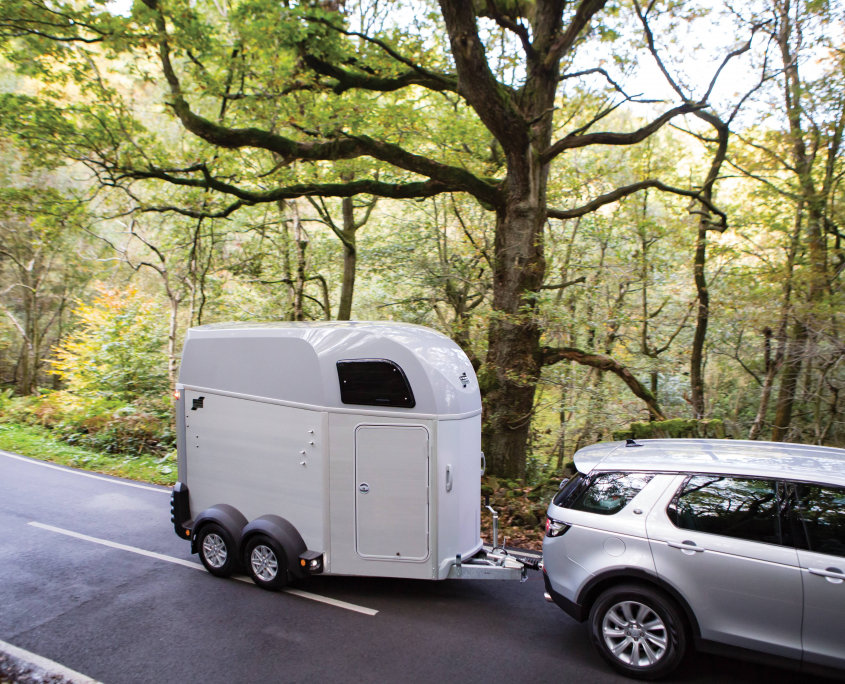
(629,213)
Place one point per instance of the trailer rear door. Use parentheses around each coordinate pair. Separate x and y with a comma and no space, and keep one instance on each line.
(392,492)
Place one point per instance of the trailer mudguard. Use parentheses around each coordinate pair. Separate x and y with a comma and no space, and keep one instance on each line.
(228,517)
(180,511)
(285,534)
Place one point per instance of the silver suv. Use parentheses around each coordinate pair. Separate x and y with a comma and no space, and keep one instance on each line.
(661,544)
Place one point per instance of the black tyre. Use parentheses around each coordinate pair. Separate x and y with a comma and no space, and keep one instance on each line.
(639,631)
(266,562)
(216,550)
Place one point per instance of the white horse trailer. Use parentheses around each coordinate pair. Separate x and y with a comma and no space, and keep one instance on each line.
(335,448)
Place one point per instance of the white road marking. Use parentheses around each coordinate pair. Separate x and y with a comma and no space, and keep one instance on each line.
(73,471)
(50,667)
(198,566)
(116,545)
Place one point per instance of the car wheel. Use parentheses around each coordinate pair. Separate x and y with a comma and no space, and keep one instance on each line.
(216,550)
(638,630)
(266,563)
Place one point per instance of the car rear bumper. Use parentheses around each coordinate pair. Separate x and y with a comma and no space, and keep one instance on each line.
(574,610)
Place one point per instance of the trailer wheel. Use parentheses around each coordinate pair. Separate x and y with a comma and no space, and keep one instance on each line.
(216,550)
(266,562)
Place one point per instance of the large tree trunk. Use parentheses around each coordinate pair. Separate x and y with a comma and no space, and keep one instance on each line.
(523,127)
(513,361)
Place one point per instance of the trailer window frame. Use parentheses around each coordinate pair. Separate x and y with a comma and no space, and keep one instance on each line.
(374,382)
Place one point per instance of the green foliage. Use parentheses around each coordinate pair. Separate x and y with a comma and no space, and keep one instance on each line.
(88,89)
(115,375)
(38,442)
(140,427)
(675,428)
(115,351)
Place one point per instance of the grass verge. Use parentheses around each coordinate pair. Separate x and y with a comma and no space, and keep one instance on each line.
(38,442)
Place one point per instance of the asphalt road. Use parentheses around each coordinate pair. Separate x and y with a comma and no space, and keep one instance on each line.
(93,577)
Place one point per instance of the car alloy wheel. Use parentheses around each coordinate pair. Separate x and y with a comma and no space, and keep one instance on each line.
(634,633)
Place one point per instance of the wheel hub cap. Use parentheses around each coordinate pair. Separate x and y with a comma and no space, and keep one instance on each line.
(264,563)
(634,634)
(214,550)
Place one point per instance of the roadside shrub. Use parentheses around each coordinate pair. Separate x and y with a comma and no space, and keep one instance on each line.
(14,408)
(107,425)
(117,349)
(114,371)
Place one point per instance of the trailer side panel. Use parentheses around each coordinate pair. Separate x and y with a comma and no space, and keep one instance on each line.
(258,457)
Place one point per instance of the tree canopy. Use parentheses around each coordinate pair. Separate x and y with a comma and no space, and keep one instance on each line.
(225,116)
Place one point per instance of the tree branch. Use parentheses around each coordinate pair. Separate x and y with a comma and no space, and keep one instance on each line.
(491,100)
(614,84)
(563,286)
(551,355)
(448,81)
(626,190)
(607,138)
(411,190)
(348,80)
(564,42)
(344,147)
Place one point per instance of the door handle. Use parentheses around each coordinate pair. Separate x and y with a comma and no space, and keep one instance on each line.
(832,575)
(686,546)
(448,478)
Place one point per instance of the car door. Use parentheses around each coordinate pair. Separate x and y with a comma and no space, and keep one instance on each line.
(718,541)
(818,523)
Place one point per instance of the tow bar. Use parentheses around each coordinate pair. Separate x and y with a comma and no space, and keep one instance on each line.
(495,562)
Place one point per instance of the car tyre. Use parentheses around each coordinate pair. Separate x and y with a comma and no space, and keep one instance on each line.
(638,630)
(216,549)
(266,562)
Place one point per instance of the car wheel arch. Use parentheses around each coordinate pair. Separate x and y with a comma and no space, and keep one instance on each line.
(600,583)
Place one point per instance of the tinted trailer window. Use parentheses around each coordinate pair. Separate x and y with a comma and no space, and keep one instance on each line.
(374,382)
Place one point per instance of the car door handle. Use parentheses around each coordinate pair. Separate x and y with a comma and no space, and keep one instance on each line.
(686,546)
(832,575)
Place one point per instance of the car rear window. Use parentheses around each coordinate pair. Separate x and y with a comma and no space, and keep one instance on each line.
(569,491)
(606,493)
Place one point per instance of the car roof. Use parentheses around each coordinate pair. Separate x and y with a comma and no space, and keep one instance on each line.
(719,456)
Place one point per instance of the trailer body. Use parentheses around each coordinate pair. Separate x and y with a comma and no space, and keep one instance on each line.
(354,446)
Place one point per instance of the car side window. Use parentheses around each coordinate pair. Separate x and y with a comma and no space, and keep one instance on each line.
(743,508)
(818,519)
(609,493)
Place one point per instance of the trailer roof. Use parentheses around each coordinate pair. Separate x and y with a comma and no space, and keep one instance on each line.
(296,363)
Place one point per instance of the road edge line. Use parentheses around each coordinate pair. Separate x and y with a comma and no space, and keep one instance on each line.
(44,665)
(84,473)
(337,603)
